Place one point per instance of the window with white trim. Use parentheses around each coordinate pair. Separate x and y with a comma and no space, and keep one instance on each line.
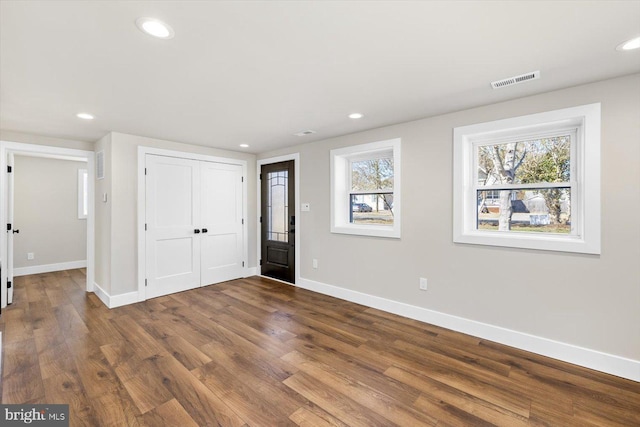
(365,189)
(83,193)
(530,182)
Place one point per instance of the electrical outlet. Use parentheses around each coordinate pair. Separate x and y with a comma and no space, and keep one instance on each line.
(315,263)
(30,255)
(423,284)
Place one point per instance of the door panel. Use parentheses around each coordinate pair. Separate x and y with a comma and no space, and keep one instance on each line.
(173,215)
(174,205)
(278,221)
(222,243)
(174,257)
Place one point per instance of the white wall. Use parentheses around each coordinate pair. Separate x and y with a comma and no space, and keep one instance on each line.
(26,138)
(103,218)
(583,300)
(46,212)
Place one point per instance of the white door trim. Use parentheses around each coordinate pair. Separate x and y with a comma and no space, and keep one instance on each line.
(52,152)
(296,168)
(142,153)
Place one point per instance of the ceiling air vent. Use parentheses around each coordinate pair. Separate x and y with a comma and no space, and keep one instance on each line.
(305,133)
(510,81)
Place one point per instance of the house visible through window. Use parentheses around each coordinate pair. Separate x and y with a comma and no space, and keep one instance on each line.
(366,189)
(530,182)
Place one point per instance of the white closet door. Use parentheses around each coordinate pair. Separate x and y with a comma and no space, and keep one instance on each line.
(172,218)
(222,244)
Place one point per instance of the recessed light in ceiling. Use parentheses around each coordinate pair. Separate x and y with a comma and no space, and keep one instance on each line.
(244,145)
(305,133)
(629,44)
(154,27)
(356,116)
(85,116)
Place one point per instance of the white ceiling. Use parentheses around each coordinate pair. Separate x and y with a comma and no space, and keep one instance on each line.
(258,72)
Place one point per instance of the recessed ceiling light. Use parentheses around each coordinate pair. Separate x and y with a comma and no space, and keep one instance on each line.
(244,145)
(356,116)
(155,28)
(629,44)
(85,116)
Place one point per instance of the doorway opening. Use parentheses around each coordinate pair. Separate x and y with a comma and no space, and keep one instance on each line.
(8,152)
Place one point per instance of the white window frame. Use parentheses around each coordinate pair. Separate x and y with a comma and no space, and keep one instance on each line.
(341,159)
(83,192)
(585,179)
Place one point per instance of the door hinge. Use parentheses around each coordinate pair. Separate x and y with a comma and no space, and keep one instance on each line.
(260,220)
(260,177)
(260,262)
(145,171)
(8,227)
(242,180)
(145,282)
(145,227)
(9,169)
(243,263)
(8,284)
(242,221)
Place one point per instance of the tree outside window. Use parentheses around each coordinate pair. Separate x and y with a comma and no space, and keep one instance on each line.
(543,162)
(371,192)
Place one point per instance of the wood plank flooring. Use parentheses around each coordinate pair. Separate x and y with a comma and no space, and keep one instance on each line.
(255,352)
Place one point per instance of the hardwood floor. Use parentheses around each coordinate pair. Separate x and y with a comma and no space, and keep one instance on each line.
(260,353)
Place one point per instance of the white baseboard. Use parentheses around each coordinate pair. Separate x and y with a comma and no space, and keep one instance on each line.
(592,359)
(251,271)
(100,293)
(124,299)
(115,300)
(48,268)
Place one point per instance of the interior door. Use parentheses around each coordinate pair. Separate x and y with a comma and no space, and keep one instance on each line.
(278,221)
(10,205)
(222,231)
(173,225)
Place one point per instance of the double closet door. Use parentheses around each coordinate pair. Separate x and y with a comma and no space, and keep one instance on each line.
(194,231)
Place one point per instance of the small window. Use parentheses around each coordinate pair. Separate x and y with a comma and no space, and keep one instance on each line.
(530,182)
(366,189)
(83,194)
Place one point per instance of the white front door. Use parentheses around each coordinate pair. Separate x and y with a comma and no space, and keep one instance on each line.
(194,230)
(222,240)
(172,218)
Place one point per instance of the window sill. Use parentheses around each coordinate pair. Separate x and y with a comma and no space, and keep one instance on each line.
(557,243)
(367,230)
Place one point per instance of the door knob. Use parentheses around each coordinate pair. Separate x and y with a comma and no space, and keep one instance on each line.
(16,231)
(204,230)
(196,231)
